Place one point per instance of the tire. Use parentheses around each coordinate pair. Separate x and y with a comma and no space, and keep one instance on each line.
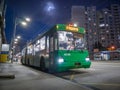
(42,64)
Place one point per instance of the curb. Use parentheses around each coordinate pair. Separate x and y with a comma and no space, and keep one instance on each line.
(7,75)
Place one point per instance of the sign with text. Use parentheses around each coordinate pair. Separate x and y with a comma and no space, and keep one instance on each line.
(5,47)
(74,29)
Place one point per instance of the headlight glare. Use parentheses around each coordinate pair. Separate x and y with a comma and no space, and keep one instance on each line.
(87,59)
(60,60)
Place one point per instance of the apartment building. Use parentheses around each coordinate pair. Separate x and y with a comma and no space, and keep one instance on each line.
(86,17)
(109,26)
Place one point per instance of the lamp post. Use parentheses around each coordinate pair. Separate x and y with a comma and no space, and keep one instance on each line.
(17,21)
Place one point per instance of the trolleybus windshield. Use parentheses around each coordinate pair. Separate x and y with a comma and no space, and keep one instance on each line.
(71,41)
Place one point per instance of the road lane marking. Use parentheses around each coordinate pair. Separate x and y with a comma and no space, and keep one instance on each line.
(72,76)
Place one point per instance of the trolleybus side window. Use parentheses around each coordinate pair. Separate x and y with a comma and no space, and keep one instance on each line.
(33,49)
(47,48)
(42,43)
(29,49)
(23,52)
(37,46)
(51,44)
(56,41)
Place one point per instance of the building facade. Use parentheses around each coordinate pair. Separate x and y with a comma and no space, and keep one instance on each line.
(91,28)
(109,26)
(115,11)
(102,27)
(86,17)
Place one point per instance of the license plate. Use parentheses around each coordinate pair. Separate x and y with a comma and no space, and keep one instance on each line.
(77,64)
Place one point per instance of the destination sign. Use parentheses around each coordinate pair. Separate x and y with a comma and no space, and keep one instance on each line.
(71,28)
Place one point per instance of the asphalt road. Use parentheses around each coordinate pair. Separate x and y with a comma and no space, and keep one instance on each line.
(103,75)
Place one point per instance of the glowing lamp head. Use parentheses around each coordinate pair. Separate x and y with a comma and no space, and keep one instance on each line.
(24,23)
(27,19)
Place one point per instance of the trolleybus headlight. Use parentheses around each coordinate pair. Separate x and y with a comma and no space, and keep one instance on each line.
(87,59)
(60,60)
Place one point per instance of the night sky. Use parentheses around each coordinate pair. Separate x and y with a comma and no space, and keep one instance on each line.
(44,14)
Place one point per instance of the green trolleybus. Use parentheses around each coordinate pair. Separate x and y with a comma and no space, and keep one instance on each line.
(61,48)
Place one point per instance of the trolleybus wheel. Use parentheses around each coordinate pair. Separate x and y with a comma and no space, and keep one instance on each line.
(42,64)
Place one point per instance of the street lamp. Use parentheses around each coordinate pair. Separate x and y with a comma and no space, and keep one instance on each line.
(18,37)
(27,19)
(23,21)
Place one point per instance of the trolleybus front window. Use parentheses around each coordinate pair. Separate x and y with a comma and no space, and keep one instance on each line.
(70,41)
(79,41)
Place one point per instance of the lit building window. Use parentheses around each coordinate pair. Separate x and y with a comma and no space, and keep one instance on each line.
(102,25)
(106,12)
(86,13)
(89,19)
(107,25)
(103,38)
